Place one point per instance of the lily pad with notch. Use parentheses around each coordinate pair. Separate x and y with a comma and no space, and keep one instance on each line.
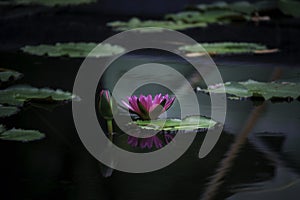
(20,134)
(137,23)
(9,75)
(74,50)
(224,48)
(255,89)
(6,111)
(17,95)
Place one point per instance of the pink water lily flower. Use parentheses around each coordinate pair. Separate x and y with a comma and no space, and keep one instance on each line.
(147,107)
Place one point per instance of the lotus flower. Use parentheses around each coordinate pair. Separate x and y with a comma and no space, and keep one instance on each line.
(147,107)
(107,105)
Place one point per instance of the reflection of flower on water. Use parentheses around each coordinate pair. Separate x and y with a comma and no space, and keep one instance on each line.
(147,107)
(150,141)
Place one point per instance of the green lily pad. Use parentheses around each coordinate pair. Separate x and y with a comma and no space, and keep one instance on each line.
(251,88)
(49,3)
(21,135)
(223,48)
(238,6)
(137,23)
(290,7)
(74,50)
(212,16)
(242,7)
(188,123)
(19,94)
(8,75)
(220,5)
(6,111)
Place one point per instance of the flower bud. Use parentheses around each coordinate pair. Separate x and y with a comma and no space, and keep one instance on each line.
(107,105)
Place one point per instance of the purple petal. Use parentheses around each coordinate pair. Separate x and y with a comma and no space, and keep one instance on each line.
(144,102)
(169,103)
(146,142)
(133,141)
(168,138)
(134,105)
(157,142)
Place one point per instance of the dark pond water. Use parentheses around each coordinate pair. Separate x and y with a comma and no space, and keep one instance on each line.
(267,166)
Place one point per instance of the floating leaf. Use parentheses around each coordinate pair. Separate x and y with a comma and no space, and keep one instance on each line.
(220,5)
(19,94)
(188,123)
(212,16)
(223,48)
(252,88)
(238,6)
(74,50)
(242,7)
(6,111)
(21,135)
(266,5)
(290,7)
(136,23)
(49,3)
(8,75)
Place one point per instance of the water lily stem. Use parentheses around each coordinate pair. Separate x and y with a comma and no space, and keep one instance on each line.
(110,129)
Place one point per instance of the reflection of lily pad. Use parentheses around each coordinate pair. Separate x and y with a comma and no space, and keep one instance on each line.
(188,123)
(20,94)
(223,48)
(6,111)
(46,2)
(76,50)
(136,23)
(20,135)
(252,88)
(290,7)
(8,75)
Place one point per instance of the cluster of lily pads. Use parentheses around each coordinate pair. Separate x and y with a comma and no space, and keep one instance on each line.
(13,98)
(219,12)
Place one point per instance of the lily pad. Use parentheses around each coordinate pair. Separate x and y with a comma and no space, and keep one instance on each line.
(220,5)
(188,123)
(223,48)
(251,88)
(290,7)
(239,6)
(19,94)
(213,16)
(74,50)
(137,23)
(21,135)
(49,3)
(8,75)
(6,111)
